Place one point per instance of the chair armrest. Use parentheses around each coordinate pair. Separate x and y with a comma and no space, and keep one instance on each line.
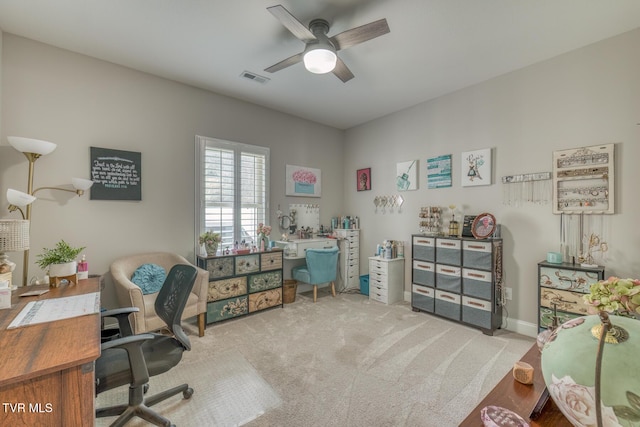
(122,316)
(133,347)
(129,295)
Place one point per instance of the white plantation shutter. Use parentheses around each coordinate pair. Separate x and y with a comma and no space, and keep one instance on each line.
(232,181)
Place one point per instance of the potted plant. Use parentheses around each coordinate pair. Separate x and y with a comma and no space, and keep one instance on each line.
(60,260)
(210,241)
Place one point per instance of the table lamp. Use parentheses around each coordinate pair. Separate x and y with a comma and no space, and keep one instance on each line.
(14,237)
(592,370)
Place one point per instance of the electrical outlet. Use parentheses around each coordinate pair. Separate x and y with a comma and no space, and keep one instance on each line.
(508,293)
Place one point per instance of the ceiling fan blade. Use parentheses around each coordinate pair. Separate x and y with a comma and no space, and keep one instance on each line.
(285,63)
(291,23)
(342,71)
(360,34)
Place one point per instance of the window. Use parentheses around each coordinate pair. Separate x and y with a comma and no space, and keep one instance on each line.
(232,181)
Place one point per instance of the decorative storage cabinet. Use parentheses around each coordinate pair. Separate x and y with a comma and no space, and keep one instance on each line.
(563,285)
(459,279)
(242,284)
(386,279)
(349,245)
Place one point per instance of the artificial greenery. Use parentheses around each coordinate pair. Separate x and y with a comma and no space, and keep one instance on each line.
(61,254)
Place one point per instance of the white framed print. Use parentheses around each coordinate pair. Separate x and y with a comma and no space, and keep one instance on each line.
(476,168)
(407,175)
(303,181)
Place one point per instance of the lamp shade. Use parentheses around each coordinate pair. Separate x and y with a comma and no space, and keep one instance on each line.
(320,59)
(569,370)
(14,235)
(30,145)
(18,198)
(81,183)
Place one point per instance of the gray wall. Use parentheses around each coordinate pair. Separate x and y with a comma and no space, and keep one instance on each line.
(586,97)
(77,102)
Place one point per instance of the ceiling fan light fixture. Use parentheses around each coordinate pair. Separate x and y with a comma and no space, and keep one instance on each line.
(320,59)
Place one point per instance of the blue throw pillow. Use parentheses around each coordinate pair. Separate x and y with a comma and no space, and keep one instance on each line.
(149,277)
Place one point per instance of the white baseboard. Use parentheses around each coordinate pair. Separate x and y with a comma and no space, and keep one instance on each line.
(513,325)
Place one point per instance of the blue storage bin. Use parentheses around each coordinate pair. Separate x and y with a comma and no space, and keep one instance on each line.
(364,284)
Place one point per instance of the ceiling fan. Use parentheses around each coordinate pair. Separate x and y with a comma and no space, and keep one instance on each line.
(319,55)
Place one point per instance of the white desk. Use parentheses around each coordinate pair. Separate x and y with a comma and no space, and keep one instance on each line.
(301,246)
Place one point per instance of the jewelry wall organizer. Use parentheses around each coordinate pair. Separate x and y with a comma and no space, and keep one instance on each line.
(583,180)
(526,188)
(430,220)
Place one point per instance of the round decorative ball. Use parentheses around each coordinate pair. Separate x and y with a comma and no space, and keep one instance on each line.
(569,370)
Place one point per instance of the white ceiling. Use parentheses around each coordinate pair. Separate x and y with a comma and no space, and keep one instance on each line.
(434,47)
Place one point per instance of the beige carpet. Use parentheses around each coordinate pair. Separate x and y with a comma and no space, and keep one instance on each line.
(342,361)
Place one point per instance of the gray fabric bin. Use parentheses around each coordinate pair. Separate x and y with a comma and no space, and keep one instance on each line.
(477,312)
(423,273)
(448,251)
(476,283)
(476,259)
(424,248)
(448,278)
(447,305)
(423,298)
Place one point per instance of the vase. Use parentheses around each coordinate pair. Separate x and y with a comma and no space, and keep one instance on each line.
(264,243)
(211,248)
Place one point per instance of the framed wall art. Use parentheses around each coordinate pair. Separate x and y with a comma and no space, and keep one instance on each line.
(363,179)
(407,175)
(439,171)
(116,174)
(476,168)
(303,181)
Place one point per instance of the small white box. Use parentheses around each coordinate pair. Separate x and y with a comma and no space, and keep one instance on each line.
(5,294)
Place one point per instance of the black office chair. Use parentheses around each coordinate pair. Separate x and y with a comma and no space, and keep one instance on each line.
(133,359)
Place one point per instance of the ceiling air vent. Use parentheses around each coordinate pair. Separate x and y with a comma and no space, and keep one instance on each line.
(256,78)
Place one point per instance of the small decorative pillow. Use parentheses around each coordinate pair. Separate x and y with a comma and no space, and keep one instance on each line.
(149,277)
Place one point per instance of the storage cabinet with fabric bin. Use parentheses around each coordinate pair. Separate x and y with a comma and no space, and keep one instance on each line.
(465,270)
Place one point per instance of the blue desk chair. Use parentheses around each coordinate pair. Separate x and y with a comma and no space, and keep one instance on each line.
(321,268)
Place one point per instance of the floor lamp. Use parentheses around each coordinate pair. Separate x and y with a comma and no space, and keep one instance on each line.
(33,149)
(14,237)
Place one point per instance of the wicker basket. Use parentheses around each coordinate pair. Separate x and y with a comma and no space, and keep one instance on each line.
(289,292)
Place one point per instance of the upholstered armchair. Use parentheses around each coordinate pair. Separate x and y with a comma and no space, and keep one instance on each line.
(130,295)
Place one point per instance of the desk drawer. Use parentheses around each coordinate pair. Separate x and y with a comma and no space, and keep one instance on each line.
(266,299)
(573,280)
(379,295)
(570,302)
(218,267)
(271,261)
(377,266)
(226,309)
(264,281)
(227,288)
(247,264)
(546,317)
(377,277)
(378,284)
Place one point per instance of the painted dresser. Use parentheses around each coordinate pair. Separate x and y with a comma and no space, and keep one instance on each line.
(242,284)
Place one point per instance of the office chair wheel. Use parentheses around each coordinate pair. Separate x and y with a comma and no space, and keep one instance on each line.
(187,393)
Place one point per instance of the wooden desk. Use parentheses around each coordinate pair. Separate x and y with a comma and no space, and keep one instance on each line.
(521,398)
(47,370)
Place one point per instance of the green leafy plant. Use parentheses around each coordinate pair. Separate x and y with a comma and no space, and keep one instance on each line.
(60,254)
